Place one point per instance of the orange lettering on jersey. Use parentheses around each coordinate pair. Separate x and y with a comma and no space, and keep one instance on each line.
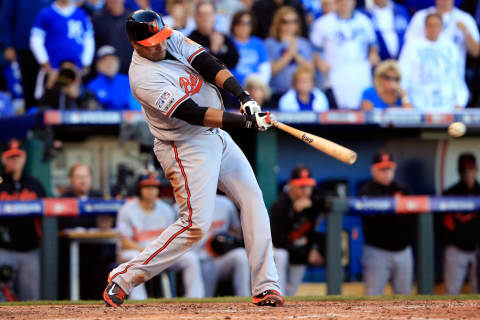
(25,195)
(191,85)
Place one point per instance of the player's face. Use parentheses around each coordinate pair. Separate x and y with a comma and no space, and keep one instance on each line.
(383,176)
(14,165)
(153,53)
(433,27)
(300,192)
(469,175)
(149,193)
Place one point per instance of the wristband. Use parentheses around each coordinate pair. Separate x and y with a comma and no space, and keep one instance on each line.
(232,86)
(231,121)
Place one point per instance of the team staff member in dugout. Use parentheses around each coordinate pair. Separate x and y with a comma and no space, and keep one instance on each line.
(174,79)
(387,252)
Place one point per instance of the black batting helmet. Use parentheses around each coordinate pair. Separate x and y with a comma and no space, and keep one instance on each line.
(147,28)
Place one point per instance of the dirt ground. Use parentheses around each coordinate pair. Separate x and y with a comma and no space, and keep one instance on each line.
(394,309)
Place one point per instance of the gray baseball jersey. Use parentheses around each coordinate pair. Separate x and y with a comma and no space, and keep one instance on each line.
(162,86)
(197,161)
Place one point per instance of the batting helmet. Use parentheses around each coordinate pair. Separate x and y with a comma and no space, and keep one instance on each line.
(147,28)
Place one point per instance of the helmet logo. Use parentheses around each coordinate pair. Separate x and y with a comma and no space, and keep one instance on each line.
(153,26)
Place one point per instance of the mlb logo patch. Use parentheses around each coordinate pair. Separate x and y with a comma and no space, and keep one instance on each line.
(164,101)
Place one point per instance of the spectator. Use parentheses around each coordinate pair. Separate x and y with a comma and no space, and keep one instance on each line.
(81,177)
(458,27)
(221,251)
(461,231)
(62,32)
(259,90)
(67,91)
(20,236)
(386,91)
(109,26)
(217,43)
(431,70)
(81,187)
(387,252)
(220,45)
(304,96)
(349,47)
(90,6)
(17,18)
(111,88)
(180,16)
(287,50)
(293,219)
(265,11)
(253,57)
(317,8)
(390,21)
(140,222)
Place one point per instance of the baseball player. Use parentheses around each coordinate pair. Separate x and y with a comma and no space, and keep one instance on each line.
(220,252)
(142,220)
(175,80)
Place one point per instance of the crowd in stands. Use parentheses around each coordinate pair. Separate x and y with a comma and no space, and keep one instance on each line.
(74,54)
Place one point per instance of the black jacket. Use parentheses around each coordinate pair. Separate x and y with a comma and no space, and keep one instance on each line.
(88,221)
(387,231)
(110,30)
(264,11)
(20,233)
(462,229)
(229,54)
(294,231)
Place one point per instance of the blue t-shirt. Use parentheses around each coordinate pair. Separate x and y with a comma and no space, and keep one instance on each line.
(282,81)
(64,36)
(251,55)
(113,94)
(371,95)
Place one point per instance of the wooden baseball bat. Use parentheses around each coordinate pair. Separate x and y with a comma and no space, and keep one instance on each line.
(331,148)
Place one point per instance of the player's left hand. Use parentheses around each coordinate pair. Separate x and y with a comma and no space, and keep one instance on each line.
(250,107)
(263,120)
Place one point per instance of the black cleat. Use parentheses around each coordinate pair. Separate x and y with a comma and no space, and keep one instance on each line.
(270,298)
(113,295)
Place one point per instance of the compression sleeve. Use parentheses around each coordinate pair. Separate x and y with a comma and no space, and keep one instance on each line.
(208,66)
(189,111)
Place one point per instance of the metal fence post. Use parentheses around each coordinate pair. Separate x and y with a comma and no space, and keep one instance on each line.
(266,165)
(334,249)
(425,261)
(49,259)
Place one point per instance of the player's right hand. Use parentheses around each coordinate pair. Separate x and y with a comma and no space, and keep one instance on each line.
(263,120)
(250,107)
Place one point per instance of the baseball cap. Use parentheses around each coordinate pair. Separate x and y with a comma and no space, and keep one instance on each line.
(106,50)
(383,160)
(149,179)
(466,160)
(301,177)
(13,150)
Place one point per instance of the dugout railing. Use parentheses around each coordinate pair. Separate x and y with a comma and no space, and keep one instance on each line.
(52,209)
(423,206)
